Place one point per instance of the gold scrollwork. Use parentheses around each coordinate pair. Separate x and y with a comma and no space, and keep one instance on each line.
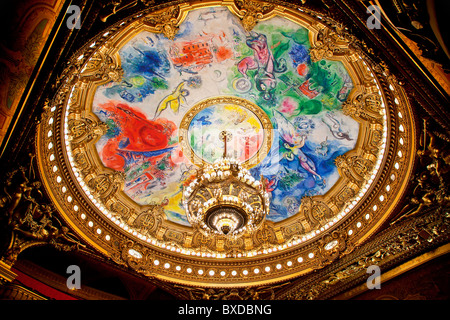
(149,220)
(293,230)
(29,220)
(328,44)
(355,168)
(249,293)
(425,229)
(165,22)
(105,185)
(251,12)
(331,246)
(313,213)
(265,236)
(135,256)
(101,67)
(431,186)
(365,106)
(84,130)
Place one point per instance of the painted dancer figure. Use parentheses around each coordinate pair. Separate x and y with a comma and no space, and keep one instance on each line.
(335,127)
(174,100)
(262,61)
(293,141)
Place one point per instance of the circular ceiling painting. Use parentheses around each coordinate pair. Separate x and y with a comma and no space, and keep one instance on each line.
(244,128)
(143,108)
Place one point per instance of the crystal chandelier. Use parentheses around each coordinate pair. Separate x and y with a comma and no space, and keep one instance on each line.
(224,199)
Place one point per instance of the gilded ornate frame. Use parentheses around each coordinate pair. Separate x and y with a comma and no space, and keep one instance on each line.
(91,201)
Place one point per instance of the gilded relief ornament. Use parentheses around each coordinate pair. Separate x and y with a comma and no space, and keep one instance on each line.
(148,221)
(250,293)
(265,236)
(313,213)
(165,22)
(105,185)
(84,130)
(251,12)
(135,256)
(101,67)
(431,227)
(365,106)
(329,43)
(331,246)
(431,188)
(355,168)
(29,219)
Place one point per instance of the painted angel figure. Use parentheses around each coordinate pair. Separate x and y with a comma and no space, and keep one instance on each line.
(294,141)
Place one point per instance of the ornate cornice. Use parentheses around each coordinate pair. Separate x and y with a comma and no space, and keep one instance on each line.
(391,247)
(28,219)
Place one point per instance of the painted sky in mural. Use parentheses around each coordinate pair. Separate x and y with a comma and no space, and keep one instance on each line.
(212,55)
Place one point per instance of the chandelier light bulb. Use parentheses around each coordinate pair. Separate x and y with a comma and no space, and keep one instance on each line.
(228,202)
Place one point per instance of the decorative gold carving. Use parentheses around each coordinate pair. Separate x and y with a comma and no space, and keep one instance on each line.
(206,244)
(251,12)
(135,256)
(165,22)
(355,168)
(373,142)
(265,236)
(426,229)
(313,213)
(29,220)
(345,194)
(148,221)
(175,236)
(82,161)
(250,293)
(331,246)
(293,230)
(121,209)
(105,185)
(435,152)
(101,67)
(328,44)
(431,187)
(84,130)
(365,106)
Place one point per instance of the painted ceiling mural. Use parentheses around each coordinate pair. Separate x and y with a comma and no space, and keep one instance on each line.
(213,55)
(298,102)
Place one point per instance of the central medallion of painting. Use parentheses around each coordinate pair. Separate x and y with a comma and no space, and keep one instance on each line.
(283,109)
(249,129)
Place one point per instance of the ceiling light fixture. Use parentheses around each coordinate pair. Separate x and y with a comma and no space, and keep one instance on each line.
(224,199)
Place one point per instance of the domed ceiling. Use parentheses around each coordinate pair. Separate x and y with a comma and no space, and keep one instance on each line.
(211,56)
(142,109)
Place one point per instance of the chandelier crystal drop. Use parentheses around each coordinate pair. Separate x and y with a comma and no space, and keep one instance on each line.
(224,199)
